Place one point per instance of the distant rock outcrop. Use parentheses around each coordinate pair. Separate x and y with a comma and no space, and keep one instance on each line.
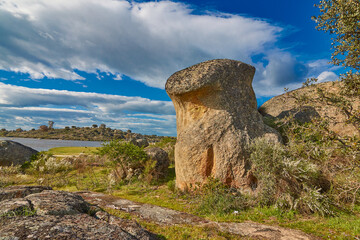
(216,115)
(40,213)
(286,104)
(162,161)
(13,153)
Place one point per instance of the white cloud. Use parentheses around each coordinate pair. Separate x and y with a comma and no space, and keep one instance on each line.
(118,77)
(327,76)
(146,41)
(40,105)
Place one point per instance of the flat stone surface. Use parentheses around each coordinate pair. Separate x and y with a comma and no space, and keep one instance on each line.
(13,207)
(80,226)
(20,191)
(165,216)
(49,202)
(36,212)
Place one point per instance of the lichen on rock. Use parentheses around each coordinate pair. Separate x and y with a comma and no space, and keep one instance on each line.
(36,212)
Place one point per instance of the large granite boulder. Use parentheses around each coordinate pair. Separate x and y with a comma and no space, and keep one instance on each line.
(37,212)
(283,105)
(13,153)
(217,117)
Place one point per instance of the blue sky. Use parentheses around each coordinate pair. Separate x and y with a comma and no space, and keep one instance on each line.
(84,62)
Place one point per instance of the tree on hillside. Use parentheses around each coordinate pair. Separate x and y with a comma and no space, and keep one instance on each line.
(51,125)
(342,19)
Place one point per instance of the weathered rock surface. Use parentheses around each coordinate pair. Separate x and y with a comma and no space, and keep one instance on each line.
(20,191)
(165,216)
(13,153)
(283,105)
(162,161)
(216,115)
(40,213)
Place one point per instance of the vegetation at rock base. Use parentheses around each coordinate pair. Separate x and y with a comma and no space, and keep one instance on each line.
(129,161)
(215,201)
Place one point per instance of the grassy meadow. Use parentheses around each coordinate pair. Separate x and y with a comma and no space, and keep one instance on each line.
(83,168)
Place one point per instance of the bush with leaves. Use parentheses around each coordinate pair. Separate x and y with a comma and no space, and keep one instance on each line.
(124,153)
(287,178)
(43,163)
(129,160)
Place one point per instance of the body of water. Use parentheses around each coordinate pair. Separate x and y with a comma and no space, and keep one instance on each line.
(46,144)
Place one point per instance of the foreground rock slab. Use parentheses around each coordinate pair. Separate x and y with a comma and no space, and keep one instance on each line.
(216,117)
(41,213)
(165,216)
(13,153)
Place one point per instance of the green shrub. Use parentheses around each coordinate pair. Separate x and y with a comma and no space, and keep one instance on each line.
(171,185)
(286,179)
(124,153)
(43,163)
(149,171)
(217,198)
(129,161)
(336,157)
(22,211)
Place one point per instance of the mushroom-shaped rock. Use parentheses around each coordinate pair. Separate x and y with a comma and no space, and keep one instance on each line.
(217,117)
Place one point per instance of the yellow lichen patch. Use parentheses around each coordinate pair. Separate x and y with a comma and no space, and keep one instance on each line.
(190,107)
(196,111)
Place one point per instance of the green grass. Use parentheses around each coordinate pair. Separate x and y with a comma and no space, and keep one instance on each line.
(71,150)
(178,231)
(95,178)
(342,226)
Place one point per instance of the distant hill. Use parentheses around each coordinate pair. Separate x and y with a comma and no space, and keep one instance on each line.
(94,133)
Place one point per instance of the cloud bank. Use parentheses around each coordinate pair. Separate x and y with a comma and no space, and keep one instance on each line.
(29,107)
(145,41)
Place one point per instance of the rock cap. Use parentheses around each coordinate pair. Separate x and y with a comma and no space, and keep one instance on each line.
(206,74)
